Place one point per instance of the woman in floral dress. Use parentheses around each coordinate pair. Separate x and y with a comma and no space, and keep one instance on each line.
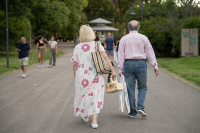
(89,85)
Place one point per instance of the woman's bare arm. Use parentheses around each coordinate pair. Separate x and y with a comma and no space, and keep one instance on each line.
(37,47)
(45,47)
(56,48)
(49,44)
(74,69)
(109,63)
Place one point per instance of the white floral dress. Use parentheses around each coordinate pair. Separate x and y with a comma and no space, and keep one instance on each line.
(89,85)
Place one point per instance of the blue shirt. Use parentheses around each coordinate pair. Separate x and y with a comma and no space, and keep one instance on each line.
(109,41)
(24,50)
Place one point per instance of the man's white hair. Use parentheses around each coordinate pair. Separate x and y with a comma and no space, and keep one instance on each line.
(132,28)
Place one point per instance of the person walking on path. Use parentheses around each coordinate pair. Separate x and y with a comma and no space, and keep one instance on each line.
(23,48)
(89,85)
(109,45)
(53,51)
(40,49)
(77,40)
(133,52)
(102,40)
(97,39)
(117,45)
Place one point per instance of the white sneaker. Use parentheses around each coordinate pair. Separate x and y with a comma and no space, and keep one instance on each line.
(131,116)
(142,113)
(23,75)
(85,119)
(94,126)
(41,65)
(38,65)
(54,66)
(49,66)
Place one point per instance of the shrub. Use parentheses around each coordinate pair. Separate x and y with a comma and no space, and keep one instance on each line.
(160,40)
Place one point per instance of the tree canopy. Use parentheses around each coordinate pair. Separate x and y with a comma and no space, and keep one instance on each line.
(43,17)
(162,21)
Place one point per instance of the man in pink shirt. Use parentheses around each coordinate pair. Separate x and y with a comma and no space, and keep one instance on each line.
(134,49)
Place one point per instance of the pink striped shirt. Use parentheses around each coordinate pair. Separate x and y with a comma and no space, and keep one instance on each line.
(135,46)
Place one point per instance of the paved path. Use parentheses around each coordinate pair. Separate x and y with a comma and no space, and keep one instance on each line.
(47,107)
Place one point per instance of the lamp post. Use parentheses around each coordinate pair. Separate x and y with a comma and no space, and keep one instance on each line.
(30,33)
(141,5)
(7,34)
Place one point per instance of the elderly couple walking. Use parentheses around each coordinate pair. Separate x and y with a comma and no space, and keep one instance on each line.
(134,49)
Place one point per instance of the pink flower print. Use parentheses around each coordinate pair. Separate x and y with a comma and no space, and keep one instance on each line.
(96,80)
(77,109)
(82,65)
(83,95)
(82,110)
(86,71)
(85,47)
(75,63)
(90,94)
(99,104)
(85,83)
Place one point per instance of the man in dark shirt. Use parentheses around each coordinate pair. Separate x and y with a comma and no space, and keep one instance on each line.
(109,45)
(23,47)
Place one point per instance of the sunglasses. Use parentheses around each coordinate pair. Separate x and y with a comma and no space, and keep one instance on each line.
(86,25)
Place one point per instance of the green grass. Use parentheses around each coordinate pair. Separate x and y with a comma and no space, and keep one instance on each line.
(188,68)
(14,61)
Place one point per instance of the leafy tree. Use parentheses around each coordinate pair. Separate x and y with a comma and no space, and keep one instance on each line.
(17,20)
(101,9)
(49,16)
(160,40)
(75,16)
(175,18)
(44,16)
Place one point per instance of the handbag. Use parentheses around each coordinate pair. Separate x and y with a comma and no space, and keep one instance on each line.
(114,86)
(99,62)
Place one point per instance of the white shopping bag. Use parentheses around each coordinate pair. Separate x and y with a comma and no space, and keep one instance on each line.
(115,56)
(123,96)
(121,100)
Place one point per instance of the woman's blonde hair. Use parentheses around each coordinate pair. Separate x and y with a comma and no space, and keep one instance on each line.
(86,34)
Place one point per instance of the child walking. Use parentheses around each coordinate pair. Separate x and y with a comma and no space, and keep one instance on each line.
(53,51)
